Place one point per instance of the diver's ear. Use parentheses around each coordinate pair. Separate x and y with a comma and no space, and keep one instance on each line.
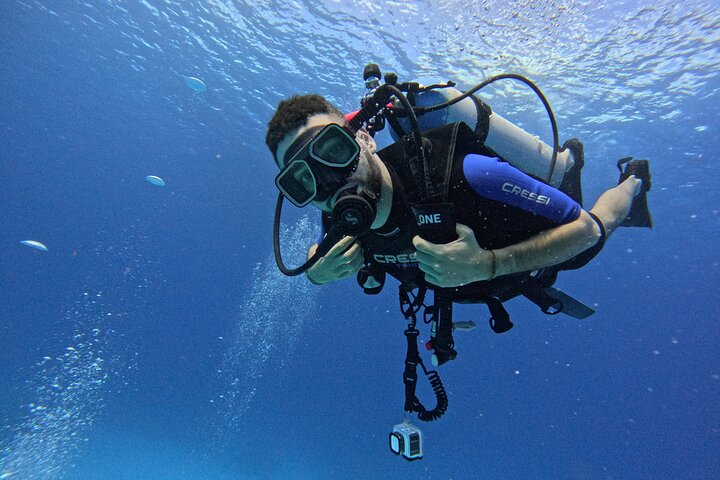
(365,140)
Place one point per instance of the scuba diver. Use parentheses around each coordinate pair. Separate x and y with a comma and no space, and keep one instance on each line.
(460,202)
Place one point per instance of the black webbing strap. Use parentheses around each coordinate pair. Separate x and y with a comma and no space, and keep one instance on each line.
(482,128)
(412,360)
(443,343)
(394,124)
(408,307)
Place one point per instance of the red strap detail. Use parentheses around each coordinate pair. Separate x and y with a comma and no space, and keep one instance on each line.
(349,116)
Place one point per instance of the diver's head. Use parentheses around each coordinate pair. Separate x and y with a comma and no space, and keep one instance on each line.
(318,156)
(292,114)
(325,162)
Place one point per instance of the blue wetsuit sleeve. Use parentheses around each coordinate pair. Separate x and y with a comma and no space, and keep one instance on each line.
(499,181)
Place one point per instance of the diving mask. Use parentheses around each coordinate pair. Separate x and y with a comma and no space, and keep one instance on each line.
(320,162)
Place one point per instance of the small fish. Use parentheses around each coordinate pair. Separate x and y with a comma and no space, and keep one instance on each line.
(34,244)
(155,180)
(196,84)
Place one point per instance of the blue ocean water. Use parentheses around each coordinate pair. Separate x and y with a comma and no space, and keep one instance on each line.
(155,338)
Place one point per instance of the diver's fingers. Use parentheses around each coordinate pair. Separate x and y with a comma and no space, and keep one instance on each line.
(424,258)
(352,252)
(341,246)
(430,278)
(351,267)
(357,263)
(431,268)
(350,261)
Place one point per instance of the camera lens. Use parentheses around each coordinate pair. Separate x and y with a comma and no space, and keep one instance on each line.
(397,444)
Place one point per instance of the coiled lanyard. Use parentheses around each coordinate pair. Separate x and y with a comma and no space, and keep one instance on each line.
(409,309)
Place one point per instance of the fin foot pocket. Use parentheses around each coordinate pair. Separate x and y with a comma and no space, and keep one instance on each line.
(639,215)
(571,184)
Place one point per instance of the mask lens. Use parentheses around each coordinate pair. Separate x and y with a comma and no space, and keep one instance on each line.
(318,167)
(297,183)
(334,147)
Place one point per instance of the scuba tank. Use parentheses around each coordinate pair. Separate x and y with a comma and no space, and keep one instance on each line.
(522,150)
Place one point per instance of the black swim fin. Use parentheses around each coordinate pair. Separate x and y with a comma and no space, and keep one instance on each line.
(570,306)
(639,215)
(553,301)
(571,184)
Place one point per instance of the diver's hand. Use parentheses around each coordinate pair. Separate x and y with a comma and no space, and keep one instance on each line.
(344,259)
(454,264)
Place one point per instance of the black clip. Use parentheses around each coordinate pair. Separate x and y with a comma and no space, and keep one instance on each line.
(499,317)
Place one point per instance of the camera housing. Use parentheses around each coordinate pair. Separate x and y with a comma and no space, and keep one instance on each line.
(406,440)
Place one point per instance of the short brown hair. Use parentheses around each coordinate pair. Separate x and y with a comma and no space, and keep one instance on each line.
(293,113)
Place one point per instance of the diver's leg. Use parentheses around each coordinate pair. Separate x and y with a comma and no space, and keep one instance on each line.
(614,205)
(526,152)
